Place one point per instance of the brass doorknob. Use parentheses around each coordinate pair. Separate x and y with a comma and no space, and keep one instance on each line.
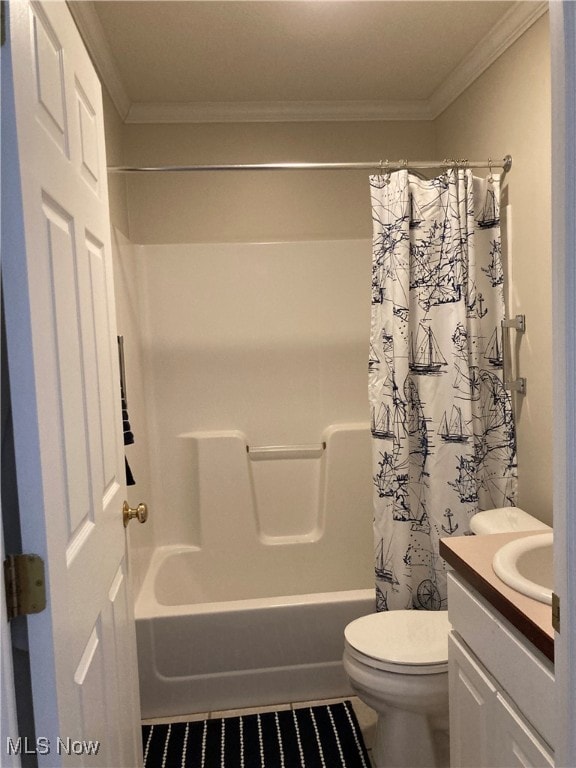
(141,513)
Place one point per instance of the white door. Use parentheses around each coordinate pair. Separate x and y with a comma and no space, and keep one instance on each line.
(63,362)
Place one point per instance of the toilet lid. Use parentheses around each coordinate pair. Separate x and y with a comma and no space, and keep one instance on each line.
(401,637)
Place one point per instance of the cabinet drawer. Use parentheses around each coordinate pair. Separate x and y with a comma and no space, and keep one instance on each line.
(524,673)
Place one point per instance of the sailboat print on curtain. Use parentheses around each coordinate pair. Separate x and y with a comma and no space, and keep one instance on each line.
(490,213)
(425,356)
(495,270)
(453,430)
(493,352)
(442,423)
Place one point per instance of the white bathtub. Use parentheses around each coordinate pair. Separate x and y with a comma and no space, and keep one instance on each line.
(248,618)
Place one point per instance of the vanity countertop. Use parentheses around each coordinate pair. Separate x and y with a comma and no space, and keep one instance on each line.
(471,556)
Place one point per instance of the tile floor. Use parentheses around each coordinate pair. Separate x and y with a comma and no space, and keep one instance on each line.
(366,716)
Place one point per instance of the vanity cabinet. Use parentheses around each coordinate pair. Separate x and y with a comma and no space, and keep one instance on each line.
(501,688)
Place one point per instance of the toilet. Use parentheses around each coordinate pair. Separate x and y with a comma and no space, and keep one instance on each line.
(397,664)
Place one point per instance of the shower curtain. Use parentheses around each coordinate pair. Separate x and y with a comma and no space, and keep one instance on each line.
(442,425)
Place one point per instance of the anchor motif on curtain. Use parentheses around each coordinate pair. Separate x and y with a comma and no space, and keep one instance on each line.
(443,433)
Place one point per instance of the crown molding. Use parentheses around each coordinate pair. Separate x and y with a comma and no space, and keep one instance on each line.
(518,19)
(277,111)
(512,25)
(95,41)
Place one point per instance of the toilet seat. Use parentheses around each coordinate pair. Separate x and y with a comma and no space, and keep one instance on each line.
(405,642)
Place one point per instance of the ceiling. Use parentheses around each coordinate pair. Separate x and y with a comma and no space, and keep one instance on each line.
(194,60)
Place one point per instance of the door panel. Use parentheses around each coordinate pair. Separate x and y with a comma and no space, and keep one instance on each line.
(50,88)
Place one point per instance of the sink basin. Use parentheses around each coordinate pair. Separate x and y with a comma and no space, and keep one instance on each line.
(525,564)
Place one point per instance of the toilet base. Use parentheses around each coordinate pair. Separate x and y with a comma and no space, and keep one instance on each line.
(412,726)
(408,740)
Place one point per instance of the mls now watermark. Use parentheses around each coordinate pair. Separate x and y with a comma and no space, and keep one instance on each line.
(45,746)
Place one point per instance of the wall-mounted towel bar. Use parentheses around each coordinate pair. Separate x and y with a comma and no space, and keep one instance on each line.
(271,452)
(518,323)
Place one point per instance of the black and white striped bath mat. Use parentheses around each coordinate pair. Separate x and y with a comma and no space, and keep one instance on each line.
(315,737)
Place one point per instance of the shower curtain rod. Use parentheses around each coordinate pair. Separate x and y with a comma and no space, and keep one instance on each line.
(382,165)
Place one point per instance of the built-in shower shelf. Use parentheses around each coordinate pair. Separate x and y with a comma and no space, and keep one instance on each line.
(271,452)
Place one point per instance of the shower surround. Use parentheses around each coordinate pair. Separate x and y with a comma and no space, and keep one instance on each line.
(255,614)
(261,480)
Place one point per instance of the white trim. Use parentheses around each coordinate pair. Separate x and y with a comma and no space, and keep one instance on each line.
(514,23)
(90,28)
(520,17)
(276,111)
(563,59)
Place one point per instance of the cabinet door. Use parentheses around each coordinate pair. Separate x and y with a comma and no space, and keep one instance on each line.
(486,731)
(472,701)
(517,744)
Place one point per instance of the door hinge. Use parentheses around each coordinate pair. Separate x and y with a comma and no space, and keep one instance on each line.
(25,585)
(555,612)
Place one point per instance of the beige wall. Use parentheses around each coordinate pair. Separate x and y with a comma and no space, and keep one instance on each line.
(508,110)
(260,206)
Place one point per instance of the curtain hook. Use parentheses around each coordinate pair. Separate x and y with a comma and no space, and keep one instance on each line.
(384,167)
(387,173)
(490,177)
(448,164)
(462,163)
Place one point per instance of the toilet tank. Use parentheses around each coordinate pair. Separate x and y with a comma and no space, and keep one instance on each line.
(504,520)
